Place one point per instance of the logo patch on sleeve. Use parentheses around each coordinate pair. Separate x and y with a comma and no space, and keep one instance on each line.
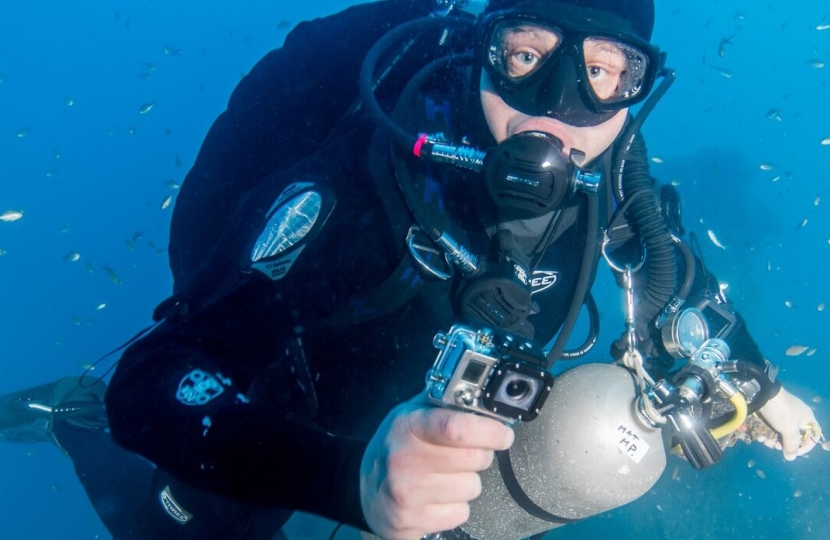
(173,508)
(198,387)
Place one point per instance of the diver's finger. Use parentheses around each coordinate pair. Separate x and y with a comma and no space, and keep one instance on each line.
(806,446)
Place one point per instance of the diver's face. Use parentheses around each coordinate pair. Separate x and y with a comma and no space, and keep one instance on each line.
(505,121)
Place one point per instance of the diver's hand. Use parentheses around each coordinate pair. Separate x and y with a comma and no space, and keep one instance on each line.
(795,423)
(420,470)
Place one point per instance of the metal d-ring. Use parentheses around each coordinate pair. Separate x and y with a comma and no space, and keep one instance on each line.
(606,239)
(415,250)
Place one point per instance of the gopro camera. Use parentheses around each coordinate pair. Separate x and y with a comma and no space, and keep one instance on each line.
(497,375)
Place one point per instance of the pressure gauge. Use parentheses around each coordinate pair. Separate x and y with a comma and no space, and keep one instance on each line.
(684,332)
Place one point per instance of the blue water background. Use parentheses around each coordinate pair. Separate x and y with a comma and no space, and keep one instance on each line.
(90,172)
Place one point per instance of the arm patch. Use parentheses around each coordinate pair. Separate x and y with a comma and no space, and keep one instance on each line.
(293,221)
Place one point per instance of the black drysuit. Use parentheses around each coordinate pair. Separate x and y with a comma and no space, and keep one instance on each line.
(260,390)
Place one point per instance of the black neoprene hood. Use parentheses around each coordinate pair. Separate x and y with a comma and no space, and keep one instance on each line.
(638,13)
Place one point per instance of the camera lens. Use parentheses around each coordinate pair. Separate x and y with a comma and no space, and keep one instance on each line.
(516,389)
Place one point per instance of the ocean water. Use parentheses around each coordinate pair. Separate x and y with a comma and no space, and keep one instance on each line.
(740,133)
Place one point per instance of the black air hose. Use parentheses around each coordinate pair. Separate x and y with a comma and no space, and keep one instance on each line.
(647,222)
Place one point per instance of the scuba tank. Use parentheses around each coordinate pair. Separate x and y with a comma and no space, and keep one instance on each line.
(586,453)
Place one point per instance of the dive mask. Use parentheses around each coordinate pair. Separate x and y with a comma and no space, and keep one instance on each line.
(578,65)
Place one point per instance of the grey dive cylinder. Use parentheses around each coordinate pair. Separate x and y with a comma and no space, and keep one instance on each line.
(584,454)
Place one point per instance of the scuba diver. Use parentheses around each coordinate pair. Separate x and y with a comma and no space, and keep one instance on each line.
(453,184)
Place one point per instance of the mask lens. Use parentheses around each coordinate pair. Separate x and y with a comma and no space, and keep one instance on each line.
(616,71)
(517,49)
(525,56)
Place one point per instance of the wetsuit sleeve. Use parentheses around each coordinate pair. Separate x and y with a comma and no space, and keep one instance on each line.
(184,406)
(215,395)
(279,112)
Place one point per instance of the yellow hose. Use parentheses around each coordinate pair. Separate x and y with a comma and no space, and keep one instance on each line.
(739,402)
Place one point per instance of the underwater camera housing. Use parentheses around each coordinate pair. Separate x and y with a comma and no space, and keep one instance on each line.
(497,375)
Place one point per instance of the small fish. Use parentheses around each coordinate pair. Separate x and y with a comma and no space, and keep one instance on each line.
(817,399)
(821,307)
(788,303)
(769,265)
(77,320)
(131,241)
(90,267)
(811,351)
(750,463)
(146,107)
(815,62)
(775,114)
(131,130)
(761,474)
(802,224)
(714,239)
(284,25)
(51,173)
(56,153)
(825,141)
(66,228)
(723,71)
(23,132)
(796,350)
(148,66)
(99,307)
(69,101)
(11,215)
(675,474)
(72,256)
(776,178)
(112,275)
(3,252)
(656,159)
(178,162)
(166,202)
(169,50)
(86,367)
(797,493)
(766,166)
(675,182)
(821,27)
(817,200)
(172,184)
(723,43)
